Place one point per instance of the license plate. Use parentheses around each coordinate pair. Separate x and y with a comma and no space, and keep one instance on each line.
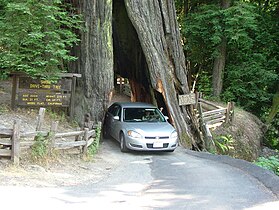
(157,144)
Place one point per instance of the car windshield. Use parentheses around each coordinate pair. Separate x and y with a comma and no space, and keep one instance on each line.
(143,115)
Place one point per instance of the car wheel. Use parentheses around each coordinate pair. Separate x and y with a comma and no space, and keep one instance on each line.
(123,146)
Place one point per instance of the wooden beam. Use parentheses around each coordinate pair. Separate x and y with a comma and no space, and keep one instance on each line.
(213,116)
(5,132)
(222,110)
(15,142)
(5,142)
(219,120)
(90,141)
(69,75)
(32,134)
(5,153)
(209,103)
(53,130)
(68,145)
(68,134)
(59,74)
(14,91)
(72,100)
(86,138)
(40,119)
(92,133)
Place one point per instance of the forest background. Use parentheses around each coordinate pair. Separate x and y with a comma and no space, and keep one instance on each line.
(231,48)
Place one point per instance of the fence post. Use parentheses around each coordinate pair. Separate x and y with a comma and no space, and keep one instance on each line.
(201,123)
(208,140)
(53,130)
(86,138)
(232,113)
(228,112)
(15,142)
(40,118)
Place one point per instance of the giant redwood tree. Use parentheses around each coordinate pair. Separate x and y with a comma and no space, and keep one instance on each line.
(139,40)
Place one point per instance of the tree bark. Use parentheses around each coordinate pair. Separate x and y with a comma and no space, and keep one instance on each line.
(159,36)
(220,60)
(95,60)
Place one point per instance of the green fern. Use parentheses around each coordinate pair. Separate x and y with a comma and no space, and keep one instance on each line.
(224,143)
(271,163)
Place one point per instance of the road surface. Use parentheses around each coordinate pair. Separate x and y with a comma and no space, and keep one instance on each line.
(143,180)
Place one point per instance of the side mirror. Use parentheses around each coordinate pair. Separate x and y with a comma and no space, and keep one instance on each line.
(116,118)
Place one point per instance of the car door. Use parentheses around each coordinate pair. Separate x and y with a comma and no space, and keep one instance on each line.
(112,123)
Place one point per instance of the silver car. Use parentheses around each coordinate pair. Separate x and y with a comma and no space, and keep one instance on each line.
(139,126)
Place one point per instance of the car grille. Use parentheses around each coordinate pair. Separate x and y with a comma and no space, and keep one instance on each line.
(165,145)
(155,137)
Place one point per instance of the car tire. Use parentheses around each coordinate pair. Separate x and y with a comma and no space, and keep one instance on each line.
(123,146)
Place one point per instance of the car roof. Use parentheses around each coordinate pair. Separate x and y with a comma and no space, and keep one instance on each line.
(135,105)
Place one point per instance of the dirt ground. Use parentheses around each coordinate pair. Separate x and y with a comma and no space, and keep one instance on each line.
(66,169)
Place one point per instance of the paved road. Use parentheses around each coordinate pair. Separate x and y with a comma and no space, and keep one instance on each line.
(179,180)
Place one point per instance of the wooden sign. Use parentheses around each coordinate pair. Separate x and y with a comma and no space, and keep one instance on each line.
(187,99)
(43,99)
(29,92)
(64,84)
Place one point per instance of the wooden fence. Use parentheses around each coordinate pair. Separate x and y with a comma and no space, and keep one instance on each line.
(211,115)
(11,140)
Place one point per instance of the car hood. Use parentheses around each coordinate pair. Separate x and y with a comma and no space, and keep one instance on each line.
(151,129)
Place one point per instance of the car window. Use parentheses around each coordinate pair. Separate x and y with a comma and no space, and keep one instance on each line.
(115,110)
(143,115)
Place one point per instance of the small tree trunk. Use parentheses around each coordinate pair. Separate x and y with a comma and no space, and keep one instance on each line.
(218,69)
(220,60)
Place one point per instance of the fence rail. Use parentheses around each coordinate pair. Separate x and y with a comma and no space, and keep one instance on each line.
(11,140)
(211,115)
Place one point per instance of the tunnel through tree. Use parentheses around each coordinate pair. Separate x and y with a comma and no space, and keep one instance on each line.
(139,40)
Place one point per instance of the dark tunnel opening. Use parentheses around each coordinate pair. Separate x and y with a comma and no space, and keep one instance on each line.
(129,59)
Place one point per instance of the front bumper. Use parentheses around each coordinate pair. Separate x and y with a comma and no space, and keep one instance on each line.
(151,144)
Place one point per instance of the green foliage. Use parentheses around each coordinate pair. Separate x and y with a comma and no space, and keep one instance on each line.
(251,72)
(203,33)
(223,144)
(271,163)
(3,108)
(204,83)
(93,148)
(36,36)
(272,134)
(247,83)
(40,148)
(57,115)
(252,58)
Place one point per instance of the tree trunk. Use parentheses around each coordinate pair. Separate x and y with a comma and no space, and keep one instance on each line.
(220,60)
(95,60)
(158,33)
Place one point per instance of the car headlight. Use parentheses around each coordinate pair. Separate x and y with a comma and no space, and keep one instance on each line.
(173,135)
(134,134)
